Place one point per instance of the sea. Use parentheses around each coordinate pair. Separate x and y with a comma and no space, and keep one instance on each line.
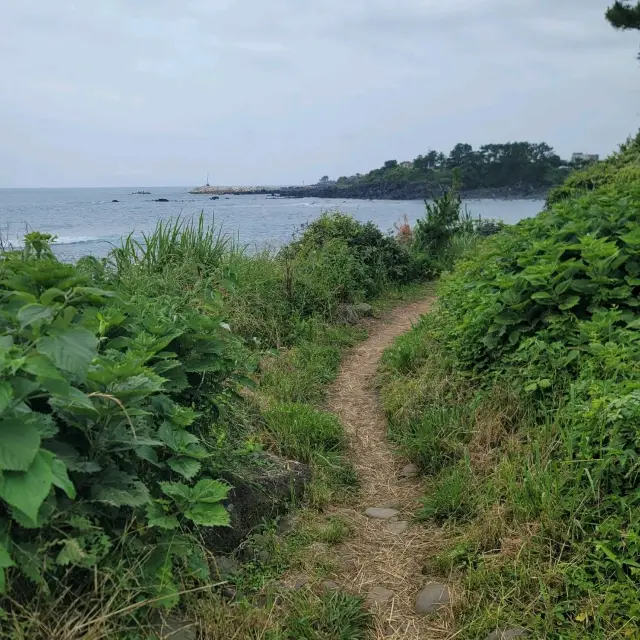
(93,221)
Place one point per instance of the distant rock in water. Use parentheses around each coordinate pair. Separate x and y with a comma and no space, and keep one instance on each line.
(115,201)
(141,193)
(161,200)
(214,198)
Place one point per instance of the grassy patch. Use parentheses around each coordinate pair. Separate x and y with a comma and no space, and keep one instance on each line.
(302,432)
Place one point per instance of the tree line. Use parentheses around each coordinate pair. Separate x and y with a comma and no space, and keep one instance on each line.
(518,166)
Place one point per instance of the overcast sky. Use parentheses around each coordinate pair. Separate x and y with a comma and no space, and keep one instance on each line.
(160,92)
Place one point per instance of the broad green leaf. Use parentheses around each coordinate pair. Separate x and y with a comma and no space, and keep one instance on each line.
(156,517)
(46,510)
(187,467)
(208,515)
(569,303)
(71,350)
(41,367)
(34,313)
(6,394)
(134,494)
(19,444)
(51,294)
(60,476)
(176,490)
(209,491)
(5,558)
(70,398)
(27,490)
(507,316)
(22,388)
(175,438)
(71,553)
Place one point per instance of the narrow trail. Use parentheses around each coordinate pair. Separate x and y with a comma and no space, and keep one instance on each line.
(383,560)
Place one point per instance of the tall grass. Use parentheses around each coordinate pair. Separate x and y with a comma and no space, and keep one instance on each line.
(177,242)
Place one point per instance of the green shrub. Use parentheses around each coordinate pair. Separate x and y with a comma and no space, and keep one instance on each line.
(383,258)
(99,432)
(547,309)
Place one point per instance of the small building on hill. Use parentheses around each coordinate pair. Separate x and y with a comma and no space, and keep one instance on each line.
(585,157)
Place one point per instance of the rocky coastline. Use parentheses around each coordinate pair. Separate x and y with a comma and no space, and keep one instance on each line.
(378,192)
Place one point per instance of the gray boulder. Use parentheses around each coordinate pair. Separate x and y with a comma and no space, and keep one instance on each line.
(347,314)
(259,494)
(380,513)
(363,309)
(432,598)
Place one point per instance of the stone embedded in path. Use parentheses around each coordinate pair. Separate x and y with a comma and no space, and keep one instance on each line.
(409,471)
(330,585)
(379,595)
(398,527)
(300,582)
(380,513)
(508,634)
(432,597)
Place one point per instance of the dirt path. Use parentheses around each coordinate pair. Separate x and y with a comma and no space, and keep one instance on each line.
(383,559)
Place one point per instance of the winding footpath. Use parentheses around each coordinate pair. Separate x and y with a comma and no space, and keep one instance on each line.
(383,559)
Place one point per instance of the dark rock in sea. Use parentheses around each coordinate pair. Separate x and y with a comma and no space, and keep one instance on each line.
(161,200)
(214,198)
(259,494)
(115,201)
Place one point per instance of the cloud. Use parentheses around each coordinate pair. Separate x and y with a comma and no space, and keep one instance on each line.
(286,91)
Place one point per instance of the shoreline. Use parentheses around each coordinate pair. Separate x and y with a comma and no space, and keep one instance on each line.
(330,193)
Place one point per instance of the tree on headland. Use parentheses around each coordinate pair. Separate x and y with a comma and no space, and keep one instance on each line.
(323,180)
(624,15)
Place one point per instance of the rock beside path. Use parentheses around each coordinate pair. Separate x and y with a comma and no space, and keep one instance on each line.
(398,527)
(379,595)
(330,585)
(380,513)
(363,309)
(409,471)
(432,598)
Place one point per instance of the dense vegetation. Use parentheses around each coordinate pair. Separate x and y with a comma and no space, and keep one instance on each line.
(518,398)
(513,168)
(129,410)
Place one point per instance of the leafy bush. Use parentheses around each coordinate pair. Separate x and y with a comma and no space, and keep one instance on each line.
(547,309)
(383,258)
(98,429)
(447,232)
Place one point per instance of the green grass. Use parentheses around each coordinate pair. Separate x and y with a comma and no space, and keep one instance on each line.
(302,432)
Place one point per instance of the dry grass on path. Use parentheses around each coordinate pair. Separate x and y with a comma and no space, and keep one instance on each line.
(375,556)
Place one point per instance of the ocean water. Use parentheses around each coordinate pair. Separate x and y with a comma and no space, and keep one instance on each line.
(87,222)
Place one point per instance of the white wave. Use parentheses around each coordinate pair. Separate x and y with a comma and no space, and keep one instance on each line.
(78,239)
